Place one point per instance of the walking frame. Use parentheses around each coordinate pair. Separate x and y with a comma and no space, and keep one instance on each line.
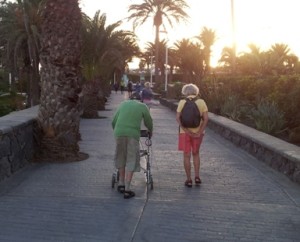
(144,152)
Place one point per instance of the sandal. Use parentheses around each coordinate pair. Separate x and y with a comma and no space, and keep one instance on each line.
(121,188)
(188,183)
(198,180)
(128,194)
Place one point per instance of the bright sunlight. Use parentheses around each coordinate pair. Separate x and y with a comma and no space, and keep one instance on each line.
(262,23)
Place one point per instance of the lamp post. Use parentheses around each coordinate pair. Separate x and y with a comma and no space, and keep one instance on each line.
(151,76)
(166,62)
(166,70)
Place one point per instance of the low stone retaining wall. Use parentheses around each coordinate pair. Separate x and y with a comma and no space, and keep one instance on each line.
(16,141)
(280,155)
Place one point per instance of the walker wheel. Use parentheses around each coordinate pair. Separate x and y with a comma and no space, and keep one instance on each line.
(151,185)
(113,181)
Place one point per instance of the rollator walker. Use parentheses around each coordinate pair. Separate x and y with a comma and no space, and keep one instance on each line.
(144,152)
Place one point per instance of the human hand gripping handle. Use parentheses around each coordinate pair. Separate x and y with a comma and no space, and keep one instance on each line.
(146,133)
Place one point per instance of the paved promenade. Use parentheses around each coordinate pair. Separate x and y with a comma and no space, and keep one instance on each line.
(241,199)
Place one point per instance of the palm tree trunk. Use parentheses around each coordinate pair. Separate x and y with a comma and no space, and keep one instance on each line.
(59,112)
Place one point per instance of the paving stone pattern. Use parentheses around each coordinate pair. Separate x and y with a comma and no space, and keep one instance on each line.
(241,198)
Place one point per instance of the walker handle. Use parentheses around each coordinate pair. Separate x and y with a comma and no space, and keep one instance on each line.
(145,133)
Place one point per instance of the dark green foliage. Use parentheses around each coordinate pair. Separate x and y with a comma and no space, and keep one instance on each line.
(11,102)
(268,117)
(275,98)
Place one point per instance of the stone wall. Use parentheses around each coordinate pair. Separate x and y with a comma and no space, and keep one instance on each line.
(280,155)
(16,141)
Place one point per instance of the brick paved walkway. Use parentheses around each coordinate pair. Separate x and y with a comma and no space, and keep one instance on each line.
(241,199)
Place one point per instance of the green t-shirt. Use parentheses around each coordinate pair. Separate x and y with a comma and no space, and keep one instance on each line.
(128,119)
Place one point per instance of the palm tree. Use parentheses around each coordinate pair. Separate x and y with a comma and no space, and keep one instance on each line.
(190,60)
(58,115)
(279,56)
(105,47)
(251,62)
(207,38)
(20,29)
(105,50)
(228,58)
(292,62)
(160,11)
(30,13)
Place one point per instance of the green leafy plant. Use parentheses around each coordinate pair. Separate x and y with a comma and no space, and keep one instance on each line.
(268,117)
(231,108)
(11,102)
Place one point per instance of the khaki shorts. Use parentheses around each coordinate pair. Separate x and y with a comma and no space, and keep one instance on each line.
(127,154)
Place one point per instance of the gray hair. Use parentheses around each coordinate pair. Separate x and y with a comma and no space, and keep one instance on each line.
(147,84)
(190,89)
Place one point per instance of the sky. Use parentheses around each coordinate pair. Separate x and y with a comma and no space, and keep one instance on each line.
(261,22)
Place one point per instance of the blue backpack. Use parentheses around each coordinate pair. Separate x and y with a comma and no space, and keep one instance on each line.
(190,114)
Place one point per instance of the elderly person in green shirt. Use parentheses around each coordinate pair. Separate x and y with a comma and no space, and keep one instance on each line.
(126,124)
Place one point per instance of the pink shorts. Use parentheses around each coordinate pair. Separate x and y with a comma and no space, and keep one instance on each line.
(187,143)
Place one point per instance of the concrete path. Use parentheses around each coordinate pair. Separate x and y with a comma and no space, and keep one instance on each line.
(241,199)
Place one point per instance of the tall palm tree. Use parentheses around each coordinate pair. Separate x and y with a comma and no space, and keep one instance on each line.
(105,50)
(159,11)
(208,38)
(251,62)
(190,60)
(105,47)
(58,115)
(279,57)
(20,29)
(150,48)
(228,58)
(29,12)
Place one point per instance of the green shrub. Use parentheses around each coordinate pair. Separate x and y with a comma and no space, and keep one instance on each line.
(286,94)
(5,109)
(294,135)
(236,109)
(231,108)
(268,117)
(11,102)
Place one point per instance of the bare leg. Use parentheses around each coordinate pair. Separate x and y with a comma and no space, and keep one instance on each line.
(196,161)
(187,165)
(128,193)
(122,176)
(128,178)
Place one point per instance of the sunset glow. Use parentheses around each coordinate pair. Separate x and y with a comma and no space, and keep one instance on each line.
(261,22)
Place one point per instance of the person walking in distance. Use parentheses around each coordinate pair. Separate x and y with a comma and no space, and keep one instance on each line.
(147,94)
(190,138)
(129,88)
(126,124)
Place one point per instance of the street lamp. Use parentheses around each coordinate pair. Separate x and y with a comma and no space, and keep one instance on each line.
(166,68)
(151,67)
